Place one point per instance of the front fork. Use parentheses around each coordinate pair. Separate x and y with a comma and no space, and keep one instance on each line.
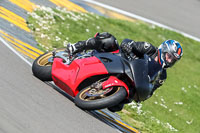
(61,54)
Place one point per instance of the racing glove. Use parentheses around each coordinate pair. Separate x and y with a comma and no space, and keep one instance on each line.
(127,46)
(71,49)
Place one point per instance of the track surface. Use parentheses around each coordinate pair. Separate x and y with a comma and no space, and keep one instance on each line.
(31,106)
(183,15)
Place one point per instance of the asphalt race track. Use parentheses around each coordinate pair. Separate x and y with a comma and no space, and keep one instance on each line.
(183,15)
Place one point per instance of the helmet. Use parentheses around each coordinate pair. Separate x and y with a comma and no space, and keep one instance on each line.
(169,52)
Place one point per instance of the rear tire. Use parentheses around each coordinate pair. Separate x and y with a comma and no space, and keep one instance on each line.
(41,68)
(115,98)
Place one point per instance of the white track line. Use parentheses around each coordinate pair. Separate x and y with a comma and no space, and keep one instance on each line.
(13,50)
(140,18)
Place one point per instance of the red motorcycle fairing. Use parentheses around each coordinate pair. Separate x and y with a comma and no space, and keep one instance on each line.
(114,81)
(68,77)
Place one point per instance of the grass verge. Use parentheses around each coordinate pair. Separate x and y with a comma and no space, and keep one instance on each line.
(174,107)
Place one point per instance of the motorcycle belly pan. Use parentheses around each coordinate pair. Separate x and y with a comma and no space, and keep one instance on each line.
(68,77)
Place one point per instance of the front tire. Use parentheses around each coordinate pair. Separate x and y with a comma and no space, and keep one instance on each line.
(41,67)
(114,97)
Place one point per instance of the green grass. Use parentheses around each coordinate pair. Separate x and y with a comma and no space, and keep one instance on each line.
(174,106)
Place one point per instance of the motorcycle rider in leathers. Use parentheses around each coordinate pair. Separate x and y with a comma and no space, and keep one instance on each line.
(165,56)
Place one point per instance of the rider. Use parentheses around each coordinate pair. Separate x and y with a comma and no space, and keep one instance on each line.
(166,55)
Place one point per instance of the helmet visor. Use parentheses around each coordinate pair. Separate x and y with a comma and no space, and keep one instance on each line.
(170,60)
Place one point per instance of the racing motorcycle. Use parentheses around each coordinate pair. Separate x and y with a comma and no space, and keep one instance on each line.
(95,80)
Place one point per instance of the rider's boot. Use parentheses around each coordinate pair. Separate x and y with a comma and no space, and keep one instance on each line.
(116,108)
(102,42)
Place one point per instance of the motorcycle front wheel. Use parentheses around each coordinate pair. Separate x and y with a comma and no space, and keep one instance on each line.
(93,99)
(41,67)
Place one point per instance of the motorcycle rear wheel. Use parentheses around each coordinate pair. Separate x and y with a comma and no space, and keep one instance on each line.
(114,97)
(41,68)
